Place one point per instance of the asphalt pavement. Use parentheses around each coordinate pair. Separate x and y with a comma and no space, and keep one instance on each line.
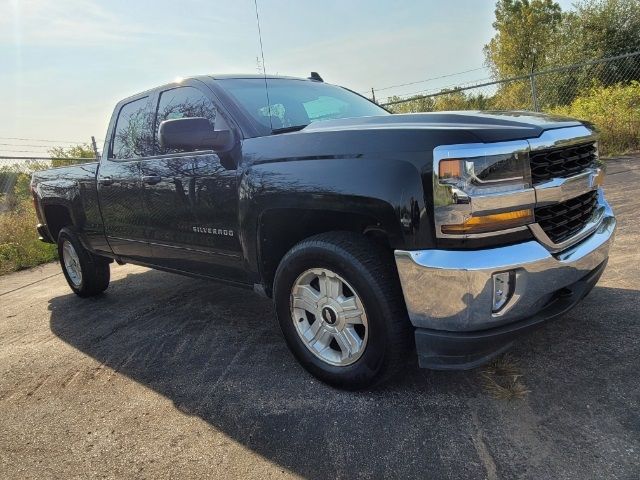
(166,376)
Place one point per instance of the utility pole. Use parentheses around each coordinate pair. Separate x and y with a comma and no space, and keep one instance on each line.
(95,147)
(373,95)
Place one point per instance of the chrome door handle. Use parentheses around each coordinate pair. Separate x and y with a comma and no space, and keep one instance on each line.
(106,181)
(151,179)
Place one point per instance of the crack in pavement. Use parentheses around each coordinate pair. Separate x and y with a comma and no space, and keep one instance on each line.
(29,284)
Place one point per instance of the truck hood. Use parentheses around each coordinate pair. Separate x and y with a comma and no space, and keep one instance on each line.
(486,126)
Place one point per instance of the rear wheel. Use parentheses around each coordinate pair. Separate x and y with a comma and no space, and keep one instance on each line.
(86,274)
(341,310)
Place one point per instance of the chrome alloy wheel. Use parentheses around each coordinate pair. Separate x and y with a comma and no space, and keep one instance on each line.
(329,316)
(72,263)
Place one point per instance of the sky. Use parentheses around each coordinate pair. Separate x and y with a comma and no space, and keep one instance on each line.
(65,63)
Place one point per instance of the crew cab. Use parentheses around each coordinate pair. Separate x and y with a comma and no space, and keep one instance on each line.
(448,234)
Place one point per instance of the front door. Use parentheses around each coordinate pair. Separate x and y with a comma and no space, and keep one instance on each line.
(119,180)
(191,198)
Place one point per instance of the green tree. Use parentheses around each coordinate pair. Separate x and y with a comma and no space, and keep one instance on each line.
(536,34)
(600,29)
(594,29)
(445,100)
(526,33)
(460,100)
(605,28)
(413,104)
(66,155)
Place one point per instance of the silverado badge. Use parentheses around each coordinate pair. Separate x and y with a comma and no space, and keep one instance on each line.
(213,231)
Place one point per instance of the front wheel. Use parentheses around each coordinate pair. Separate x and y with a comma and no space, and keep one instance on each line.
(340,308)
(86,274)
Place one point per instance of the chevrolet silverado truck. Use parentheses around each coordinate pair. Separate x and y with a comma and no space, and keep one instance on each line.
(376,235)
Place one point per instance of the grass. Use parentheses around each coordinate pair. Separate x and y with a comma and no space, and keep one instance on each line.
(502,379)
(19,244)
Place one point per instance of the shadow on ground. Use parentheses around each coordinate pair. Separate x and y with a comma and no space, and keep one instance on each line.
(217,353)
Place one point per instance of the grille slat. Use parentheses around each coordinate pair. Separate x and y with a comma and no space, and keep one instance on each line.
(565,219)
(561,162)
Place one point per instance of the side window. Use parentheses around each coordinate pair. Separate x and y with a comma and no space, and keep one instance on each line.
(183,102)
(133,136)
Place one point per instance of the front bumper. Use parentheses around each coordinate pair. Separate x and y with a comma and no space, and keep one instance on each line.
(449,294)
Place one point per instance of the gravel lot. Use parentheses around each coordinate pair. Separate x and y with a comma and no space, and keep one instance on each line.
(170,377)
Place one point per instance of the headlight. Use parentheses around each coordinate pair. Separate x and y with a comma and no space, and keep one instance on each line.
(487,174)
(480,188)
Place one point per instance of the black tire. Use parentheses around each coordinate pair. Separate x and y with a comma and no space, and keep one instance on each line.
(94,269)
(370,269)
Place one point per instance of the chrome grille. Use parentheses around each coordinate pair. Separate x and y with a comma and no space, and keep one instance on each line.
(563,220)
(561,162)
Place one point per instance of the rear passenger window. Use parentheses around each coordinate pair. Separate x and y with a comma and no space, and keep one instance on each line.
(183,102)
(133,136)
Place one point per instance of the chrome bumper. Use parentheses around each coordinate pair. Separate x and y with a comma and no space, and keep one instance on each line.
(453,290)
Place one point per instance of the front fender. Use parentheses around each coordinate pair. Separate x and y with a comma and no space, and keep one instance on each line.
(387,191)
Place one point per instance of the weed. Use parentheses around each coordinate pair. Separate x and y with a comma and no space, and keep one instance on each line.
(502,379)
(19,244)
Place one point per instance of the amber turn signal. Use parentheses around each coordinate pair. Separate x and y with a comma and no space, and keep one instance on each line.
(491,223)
(450,169)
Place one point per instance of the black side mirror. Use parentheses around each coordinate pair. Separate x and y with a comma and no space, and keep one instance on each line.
(194,133)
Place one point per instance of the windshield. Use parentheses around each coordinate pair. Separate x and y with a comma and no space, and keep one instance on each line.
(296,103)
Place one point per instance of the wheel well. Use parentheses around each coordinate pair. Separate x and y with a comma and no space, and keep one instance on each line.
(277,236)
(57,217)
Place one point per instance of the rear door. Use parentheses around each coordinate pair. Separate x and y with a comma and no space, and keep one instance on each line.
(192,196)
(119,179)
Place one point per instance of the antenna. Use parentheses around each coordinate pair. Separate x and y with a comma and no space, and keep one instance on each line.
(264,70)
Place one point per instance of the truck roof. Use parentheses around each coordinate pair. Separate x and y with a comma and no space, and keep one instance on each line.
(238,76)
(214,77)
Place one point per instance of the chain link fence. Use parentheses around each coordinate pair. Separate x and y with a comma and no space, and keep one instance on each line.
(536,91)
(604,91)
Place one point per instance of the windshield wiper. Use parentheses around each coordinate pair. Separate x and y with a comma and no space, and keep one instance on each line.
(293,128)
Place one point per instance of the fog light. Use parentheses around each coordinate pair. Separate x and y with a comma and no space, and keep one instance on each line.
(503,284)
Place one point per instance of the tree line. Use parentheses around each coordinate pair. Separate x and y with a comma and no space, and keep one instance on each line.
(536,35)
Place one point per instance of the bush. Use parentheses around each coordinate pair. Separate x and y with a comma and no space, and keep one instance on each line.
(615,111)
(513,96)
(19,244)
(446,101)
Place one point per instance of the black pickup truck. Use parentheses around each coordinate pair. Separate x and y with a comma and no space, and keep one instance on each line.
(451,233)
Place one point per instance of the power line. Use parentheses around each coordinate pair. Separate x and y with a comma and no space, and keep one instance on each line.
(4,157)
(429,79)
(41,140)
(25,145)
(22,151)
(452,86)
